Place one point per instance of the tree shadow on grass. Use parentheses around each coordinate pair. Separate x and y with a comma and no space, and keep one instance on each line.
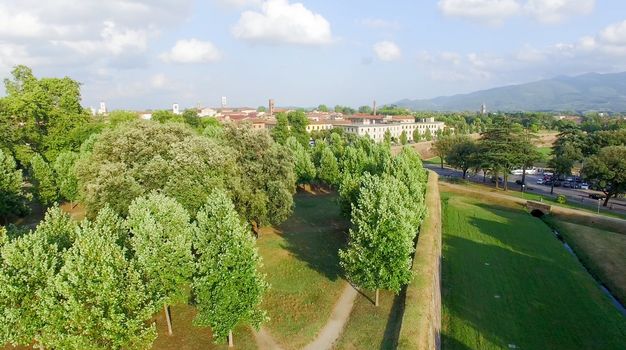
(394,322)
(315,233)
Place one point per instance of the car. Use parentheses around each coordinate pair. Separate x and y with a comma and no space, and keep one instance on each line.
(557,184)
(548,183)
(596,196)
(540,181)
(584,186)
(518,182)
(567,184)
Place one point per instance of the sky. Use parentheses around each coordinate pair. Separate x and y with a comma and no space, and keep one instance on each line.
(148,54)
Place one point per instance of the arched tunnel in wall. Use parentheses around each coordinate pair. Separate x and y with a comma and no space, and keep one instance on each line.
(537,213)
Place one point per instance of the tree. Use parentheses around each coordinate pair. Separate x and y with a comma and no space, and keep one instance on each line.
(29,264)
(565,155)
(328,170)
(13,199)
(227,285)
(365,110)
(608,169)
(118,117)
(380,242)
(528,154)
(44,178)
(280,132)
(40,114)
(416,135)
(161,241)
(264,186)
(66,176)
(463,155)
(165,116)
(443,145)
(134,159)
(297,123)
(104,310)
(500,148)
(387,137)
(322,108)
(403,138)
(407,168)
(428,136)
(303,165)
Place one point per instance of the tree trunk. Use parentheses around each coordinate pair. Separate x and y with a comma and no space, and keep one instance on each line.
(255,229)
(497,180)
(441,159)
(168,319)
(505,177)
(606,200)
(464,173)
(523,177)
(484,176)
(552,187)
(231,343)
(376,302)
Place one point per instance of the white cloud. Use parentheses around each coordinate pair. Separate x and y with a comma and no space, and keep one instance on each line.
(113,40)
(552,11)
(192,51)
(377,23)
(387,51)
(614,34)
(489,11)
(280,22)
(239,3)
(496,11)
(158,80)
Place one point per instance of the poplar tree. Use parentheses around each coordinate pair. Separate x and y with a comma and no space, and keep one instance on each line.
(29,264)
(66,176)
(44,178)
(227,285)
(329,169)
(303,165)
(12,196)
(380,241)
(100,300)
(161,240)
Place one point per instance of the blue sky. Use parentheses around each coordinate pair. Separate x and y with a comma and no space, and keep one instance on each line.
(137,54)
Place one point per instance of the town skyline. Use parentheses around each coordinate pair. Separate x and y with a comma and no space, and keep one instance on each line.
(138,54)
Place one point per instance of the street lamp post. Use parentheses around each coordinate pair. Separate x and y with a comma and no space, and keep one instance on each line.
(599,205)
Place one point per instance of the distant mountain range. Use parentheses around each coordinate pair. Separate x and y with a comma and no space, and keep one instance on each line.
(588,92)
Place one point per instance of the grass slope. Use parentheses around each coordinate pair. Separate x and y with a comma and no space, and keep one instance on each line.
(508,283)
(602,252)
(302,265)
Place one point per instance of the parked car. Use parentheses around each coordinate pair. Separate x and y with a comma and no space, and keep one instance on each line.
(539,181)
(557,183)
(518,182)
(567,184)
(596,196)
(584,186)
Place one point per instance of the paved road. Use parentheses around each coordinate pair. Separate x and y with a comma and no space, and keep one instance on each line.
(573,195)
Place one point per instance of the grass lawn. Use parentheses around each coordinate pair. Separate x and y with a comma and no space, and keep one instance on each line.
(302,265)
(371,327)
(508,283)
(603,253)
(434,160)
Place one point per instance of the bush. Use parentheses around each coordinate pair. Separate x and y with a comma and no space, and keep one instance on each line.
(561,199)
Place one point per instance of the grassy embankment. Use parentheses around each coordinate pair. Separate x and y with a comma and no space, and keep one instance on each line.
(603,252)
(508,283)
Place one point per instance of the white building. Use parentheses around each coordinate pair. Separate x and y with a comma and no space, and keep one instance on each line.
(103,108)
(176,109)
(375,128)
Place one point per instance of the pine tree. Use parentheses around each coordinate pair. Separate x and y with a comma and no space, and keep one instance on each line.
(403,138)
(161,240)
(380,242)
(227,284)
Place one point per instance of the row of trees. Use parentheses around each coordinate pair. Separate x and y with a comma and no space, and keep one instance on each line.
(95,285)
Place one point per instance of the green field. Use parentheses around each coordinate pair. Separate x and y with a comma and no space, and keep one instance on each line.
(508,283)
(603,253)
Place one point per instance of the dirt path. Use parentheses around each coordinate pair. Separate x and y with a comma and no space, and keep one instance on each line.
(264,340)
(338,319)
(331,331)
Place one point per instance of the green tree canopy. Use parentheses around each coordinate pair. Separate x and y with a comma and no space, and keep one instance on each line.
(608,170)
(66,175)
(380,241)
(44,180)
(463,155)
(328,171)
(13,199)
(227,284)
(161,241)
(281,131)
(303,165)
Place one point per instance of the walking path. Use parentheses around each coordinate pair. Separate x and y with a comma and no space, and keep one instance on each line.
(331,331)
